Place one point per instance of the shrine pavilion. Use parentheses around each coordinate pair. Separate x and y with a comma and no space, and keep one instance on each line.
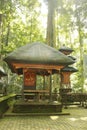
(33,59)
(66,72)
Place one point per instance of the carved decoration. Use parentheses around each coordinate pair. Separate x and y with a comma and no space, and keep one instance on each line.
(29,78)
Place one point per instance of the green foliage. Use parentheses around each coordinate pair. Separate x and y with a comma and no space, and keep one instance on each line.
(19,23)
(5,102)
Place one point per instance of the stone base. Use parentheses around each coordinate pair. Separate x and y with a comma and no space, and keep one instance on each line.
(37,107)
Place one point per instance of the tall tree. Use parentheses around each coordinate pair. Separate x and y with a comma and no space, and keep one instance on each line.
(50,37)
(81,10)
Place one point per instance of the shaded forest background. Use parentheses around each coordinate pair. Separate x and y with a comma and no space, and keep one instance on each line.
(26,21)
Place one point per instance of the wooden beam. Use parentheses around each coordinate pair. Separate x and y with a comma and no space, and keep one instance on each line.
(37,66)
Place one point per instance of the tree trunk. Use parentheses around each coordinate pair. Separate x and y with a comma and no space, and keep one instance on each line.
(81,53)
(81,60)
(8,32)
(0,35)
(50,36)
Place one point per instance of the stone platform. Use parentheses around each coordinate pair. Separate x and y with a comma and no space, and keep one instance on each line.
(37,107)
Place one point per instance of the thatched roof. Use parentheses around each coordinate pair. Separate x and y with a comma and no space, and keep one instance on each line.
(64,48)
(69,69)
(73,58)
(38,53)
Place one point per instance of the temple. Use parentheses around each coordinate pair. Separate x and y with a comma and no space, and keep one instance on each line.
(38,59)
